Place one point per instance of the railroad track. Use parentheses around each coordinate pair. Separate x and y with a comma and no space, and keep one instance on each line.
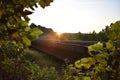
(63,49)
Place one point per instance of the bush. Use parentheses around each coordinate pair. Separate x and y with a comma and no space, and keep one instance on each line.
(104,63)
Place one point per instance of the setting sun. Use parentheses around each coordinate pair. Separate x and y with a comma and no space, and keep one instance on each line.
(59,33)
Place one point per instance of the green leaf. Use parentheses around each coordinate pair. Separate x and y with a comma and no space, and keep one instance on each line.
(114,33)
(86,78)
(44,3)
(78,64)
(110,46)
(85,62)
(27,28)
(92,61)
(26,41)
(86,65)
(34,33)
(14,43)
(23,23)
(102,58)
(95,47)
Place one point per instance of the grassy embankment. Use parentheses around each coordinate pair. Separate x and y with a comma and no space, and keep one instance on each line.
(47,63)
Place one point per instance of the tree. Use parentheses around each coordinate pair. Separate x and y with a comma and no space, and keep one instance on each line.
(16,37)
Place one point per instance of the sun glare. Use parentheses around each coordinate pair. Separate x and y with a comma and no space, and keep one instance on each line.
(59,33)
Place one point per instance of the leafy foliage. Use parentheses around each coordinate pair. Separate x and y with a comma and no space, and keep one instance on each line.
(49,68)
(104,63)
(96,47)
(16,37)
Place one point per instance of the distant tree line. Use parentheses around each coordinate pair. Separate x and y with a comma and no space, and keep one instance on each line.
(48,33)
(93,36)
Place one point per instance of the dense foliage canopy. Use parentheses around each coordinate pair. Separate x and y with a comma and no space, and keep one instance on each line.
(16,37)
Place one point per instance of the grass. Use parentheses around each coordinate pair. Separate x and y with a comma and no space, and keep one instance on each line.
(41,59)
(48,65)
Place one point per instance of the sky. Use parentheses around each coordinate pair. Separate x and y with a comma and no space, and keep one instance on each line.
(77,15)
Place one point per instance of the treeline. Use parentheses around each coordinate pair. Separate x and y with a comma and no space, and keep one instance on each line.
(48,33)
(92,36)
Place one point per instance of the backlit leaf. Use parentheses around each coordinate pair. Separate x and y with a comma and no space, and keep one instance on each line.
(85,62)
(26,41)
(86,78)
(44,3)
(96,47)
(86,65)
(35,33)
(78,64)
(110,46)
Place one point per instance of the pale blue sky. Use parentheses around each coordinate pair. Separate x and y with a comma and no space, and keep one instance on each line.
(77,15)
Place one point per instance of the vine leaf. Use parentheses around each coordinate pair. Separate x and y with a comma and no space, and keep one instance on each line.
(44,3)
(86,78)
(34,33)
(26,41)
(85,62)
(96,47)
(110,45)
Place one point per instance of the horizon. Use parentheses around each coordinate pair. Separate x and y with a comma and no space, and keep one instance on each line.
(72,16)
